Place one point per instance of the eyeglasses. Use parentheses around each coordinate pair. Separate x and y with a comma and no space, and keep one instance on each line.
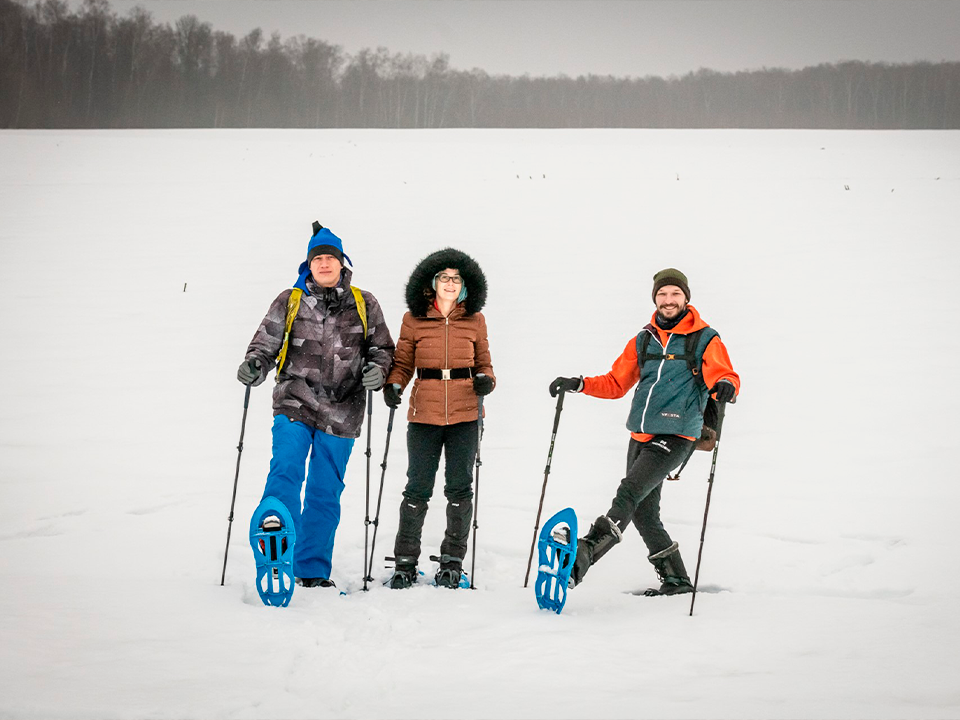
(444,278)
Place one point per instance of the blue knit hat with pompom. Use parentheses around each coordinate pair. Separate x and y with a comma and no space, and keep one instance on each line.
(322,242)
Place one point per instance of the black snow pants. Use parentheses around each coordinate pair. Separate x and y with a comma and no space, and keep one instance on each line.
(638,497)
(458,443)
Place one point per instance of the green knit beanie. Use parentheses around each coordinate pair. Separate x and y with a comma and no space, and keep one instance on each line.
(670,276)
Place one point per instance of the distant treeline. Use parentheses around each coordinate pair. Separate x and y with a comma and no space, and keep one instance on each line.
(93,69)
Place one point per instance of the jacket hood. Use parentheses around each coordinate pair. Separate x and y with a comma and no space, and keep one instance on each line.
(419,292)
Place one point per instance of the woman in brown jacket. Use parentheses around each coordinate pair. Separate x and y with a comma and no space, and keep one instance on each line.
(443,344)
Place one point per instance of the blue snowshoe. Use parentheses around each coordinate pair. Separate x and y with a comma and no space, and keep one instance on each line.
(556,552)
(272,537)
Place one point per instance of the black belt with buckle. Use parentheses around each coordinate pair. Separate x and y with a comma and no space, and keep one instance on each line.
(445,374)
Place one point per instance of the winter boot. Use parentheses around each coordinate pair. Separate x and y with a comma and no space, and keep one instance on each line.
(459,515)
(316,582)
(407,543)
(404,573)
(448,575)
(672,573)
(603,535)
(272,523)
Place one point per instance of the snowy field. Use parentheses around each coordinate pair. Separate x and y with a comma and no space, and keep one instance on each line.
(135,267)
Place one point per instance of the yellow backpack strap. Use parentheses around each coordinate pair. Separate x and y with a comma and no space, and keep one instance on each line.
(293,305)
(361,308)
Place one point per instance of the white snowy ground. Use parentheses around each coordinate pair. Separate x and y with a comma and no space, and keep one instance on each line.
(827,260)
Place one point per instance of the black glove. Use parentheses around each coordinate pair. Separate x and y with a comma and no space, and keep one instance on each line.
(391,395)
(482,384)
(249,371)
(565,384)
(372,377)
(724,391)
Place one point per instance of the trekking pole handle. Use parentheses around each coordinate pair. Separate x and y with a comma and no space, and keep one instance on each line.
(721,409)
(553,435)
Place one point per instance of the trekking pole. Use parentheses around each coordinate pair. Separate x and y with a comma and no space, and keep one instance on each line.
(376,519)
(476,493)
(366,520)
(236,477)
(706,509)
(543,490)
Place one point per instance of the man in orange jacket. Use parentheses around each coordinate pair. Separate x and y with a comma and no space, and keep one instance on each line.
(678,361)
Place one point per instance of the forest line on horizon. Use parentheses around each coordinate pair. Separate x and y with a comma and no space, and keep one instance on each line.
(90,68)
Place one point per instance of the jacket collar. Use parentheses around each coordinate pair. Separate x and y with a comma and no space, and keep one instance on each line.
(690,324)
(458,311)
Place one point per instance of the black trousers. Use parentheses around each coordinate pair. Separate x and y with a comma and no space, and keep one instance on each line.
(638,497)
(425,444)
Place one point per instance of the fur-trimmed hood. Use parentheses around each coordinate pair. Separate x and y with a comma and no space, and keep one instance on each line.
(419,292)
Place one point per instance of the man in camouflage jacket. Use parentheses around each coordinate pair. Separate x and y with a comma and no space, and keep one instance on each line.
(320,396)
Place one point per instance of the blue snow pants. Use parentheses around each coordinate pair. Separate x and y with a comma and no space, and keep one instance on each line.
(316,524)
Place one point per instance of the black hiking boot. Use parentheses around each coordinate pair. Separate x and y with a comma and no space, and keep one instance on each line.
(673,575)
(316,582)
(603,535)
(451,568)
(459,515)
(404,574)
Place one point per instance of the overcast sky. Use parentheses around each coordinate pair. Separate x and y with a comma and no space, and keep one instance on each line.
(617,37)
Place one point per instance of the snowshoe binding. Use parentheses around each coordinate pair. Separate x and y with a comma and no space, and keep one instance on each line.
(404,573)
(451,574)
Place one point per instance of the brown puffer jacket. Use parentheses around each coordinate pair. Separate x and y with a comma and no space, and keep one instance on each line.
(428,340)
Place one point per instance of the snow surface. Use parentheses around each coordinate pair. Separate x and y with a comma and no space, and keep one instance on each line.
(137,265)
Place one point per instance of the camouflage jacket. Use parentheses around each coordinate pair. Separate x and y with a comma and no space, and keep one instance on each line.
(320,381)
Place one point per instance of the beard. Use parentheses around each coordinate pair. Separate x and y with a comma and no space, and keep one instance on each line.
(669,311)
(668,322)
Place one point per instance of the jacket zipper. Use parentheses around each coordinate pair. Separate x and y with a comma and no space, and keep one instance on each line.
(646,405)
(446,363)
